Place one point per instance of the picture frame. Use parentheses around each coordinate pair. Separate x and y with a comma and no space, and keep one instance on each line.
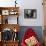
(30,13)
(5,12)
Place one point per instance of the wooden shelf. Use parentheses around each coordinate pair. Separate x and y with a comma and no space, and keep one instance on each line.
(11,26)
(9,43)
(6,12)
(5,8)
(9,9)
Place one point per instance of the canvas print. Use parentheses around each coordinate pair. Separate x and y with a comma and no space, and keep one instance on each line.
(30,13)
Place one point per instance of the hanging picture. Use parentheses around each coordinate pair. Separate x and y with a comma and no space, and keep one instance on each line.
(5,12)
(30,13)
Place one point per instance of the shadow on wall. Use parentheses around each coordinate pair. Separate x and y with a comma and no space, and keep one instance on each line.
(37,29)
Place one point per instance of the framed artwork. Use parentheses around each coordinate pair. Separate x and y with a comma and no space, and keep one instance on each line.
(30,13)
(5,12)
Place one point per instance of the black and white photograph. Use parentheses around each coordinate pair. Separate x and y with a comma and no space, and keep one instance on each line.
(30,13)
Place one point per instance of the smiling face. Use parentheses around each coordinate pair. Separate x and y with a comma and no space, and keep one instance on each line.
(31,41)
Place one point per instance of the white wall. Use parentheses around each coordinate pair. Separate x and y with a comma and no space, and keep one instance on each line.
(27,4)
(32,4)
(7,3)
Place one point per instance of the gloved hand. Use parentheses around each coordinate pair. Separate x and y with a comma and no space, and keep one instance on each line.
(32,41)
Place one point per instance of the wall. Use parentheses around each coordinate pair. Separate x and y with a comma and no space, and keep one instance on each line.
(32,4)
(27,4)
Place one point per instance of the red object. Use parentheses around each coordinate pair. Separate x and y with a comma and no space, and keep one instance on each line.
(29,33)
